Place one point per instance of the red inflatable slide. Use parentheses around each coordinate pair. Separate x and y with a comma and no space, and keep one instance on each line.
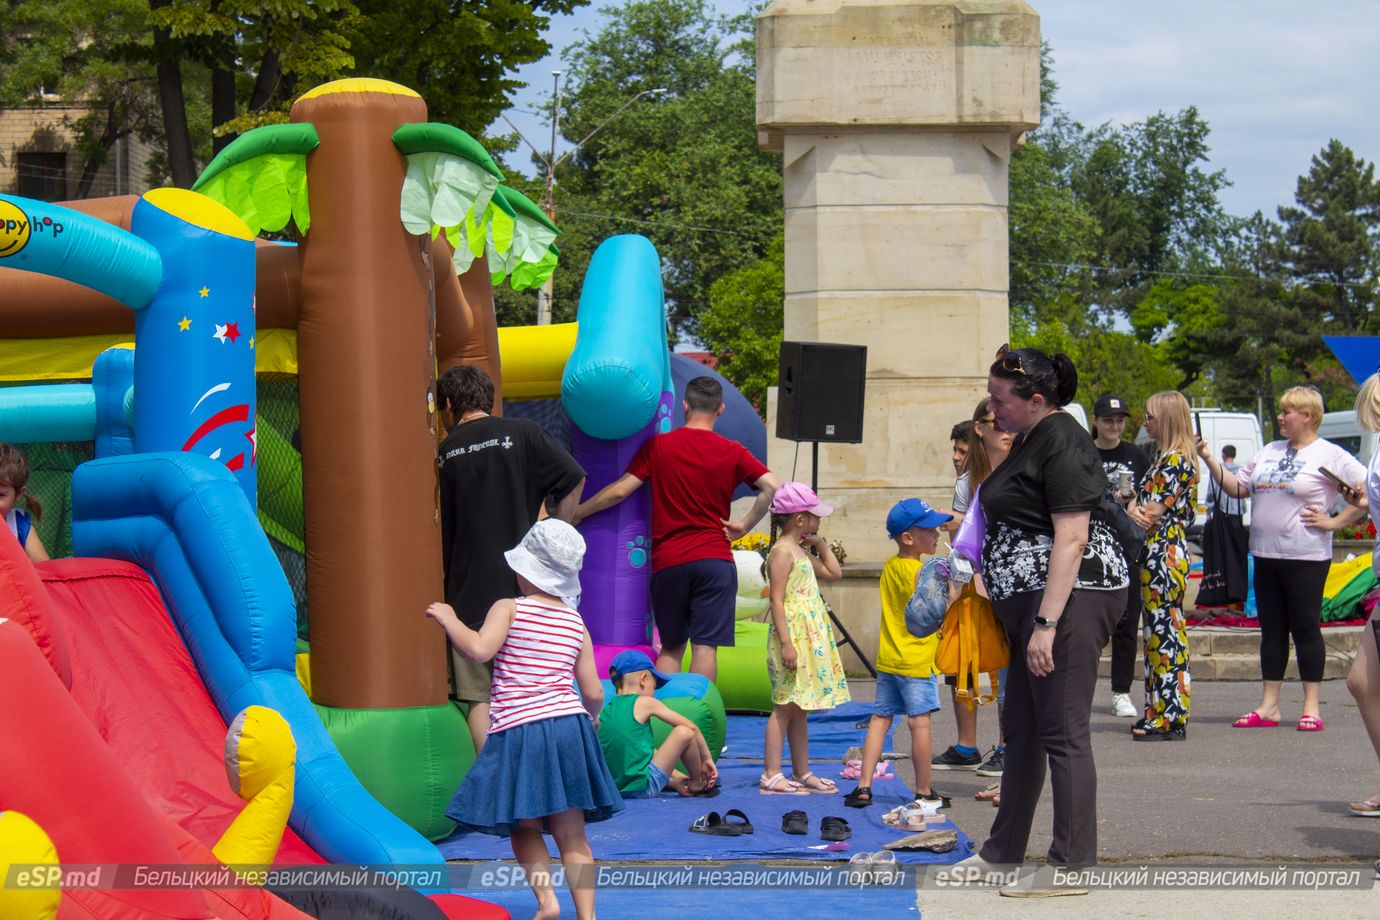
(113,746)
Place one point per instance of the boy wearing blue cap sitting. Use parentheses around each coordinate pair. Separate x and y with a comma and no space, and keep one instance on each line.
(906,682)
(625,733)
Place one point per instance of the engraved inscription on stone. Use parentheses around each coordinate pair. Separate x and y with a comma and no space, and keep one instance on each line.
(900,71)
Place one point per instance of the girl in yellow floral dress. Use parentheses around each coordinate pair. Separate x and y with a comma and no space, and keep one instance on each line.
(802,657)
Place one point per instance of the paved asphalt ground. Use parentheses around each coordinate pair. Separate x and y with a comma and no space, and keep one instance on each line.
(1223,796)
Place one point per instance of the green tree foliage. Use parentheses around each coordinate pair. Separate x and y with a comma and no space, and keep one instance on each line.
(87,50)
(681,166)
(743,323)
(1156,207)
(254,57)
(460,54)
(1053,237)
(1332,239)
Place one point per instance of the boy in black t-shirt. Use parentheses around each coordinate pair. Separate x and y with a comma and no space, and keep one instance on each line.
(1121,461)
(495,474)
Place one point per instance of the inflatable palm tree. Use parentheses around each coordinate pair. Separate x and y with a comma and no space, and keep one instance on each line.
(372,189)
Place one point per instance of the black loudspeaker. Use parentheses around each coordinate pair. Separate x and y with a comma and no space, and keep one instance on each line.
(820,392)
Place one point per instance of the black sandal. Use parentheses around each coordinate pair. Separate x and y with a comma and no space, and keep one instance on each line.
(713,823)
(795,822)
(744,826)
(1167,733)
(831,828)
(861,797)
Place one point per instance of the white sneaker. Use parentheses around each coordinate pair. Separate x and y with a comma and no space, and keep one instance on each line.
(1122,707)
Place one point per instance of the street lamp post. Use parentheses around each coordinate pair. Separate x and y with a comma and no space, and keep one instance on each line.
(546,293)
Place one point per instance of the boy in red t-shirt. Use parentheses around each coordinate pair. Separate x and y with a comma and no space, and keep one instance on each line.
(693,473)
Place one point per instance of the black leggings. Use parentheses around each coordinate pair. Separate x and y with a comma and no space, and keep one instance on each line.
(1288,600)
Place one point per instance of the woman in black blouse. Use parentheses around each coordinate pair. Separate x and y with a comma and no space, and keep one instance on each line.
(1058,583)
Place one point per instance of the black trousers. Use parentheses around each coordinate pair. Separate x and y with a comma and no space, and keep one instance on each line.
(1288,602)
(1047,728)
(1126,637)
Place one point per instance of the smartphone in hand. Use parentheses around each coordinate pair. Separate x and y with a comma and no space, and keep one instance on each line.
(1337,480)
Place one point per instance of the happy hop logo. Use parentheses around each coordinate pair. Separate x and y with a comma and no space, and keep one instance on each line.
(16,228)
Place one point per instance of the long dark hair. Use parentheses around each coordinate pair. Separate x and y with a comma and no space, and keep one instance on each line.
(1031,371)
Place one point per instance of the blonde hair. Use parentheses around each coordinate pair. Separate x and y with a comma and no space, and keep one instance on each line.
(1368,403)
(1307,400)
(1174,421)
(977,464)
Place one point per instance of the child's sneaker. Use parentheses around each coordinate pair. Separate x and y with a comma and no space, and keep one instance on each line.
(992,766)
(1122,707)
(952,759)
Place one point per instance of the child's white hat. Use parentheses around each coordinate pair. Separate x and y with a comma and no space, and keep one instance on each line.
(550,557)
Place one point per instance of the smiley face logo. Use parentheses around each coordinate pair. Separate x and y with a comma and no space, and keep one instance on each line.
(14,229)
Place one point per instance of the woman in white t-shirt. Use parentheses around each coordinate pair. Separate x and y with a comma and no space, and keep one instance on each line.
(1364,678)
(1291,539)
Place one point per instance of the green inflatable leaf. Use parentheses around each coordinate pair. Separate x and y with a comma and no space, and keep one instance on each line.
(532,236)
(534,274)
(262,176)
(432,137)
(450,187)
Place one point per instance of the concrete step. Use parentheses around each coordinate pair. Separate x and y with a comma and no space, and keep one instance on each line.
(1234,654)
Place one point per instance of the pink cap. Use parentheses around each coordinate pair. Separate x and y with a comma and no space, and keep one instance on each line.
(795,497)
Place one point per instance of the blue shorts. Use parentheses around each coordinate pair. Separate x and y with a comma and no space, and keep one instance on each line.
(656,781)
(695,602)
(909,696)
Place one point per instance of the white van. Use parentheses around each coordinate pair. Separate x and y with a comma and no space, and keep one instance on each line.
(1239,429)
(1342,429)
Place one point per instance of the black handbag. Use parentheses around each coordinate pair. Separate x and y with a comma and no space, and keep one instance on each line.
(1127,532)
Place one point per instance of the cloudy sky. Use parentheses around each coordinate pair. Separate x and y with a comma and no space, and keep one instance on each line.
(1275,79)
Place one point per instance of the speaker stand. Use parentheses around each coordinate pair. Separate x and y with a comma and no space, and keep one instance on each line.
(838,624)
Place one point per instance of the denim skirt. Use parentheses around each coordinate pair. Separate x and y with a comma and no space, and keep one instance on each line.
(535,770)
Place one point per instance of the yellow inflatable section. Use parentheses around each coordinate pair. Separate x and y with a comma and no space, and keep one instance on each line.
(533,357)
(260,762)
(24,843)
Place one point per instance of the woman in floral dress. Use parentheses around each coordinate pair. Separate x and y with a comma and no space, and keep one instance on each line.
(1164,506)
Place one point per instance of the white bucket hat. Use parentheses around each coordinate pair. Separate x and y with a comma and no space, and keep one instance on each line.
(549,557)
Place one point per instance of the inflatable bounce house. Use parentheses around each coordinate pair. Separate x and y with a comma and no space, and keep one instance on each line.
(274,426)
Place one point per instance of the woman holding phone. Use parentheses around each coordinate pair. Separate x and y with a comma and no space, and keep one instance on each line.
(1293,483)
(1164,507)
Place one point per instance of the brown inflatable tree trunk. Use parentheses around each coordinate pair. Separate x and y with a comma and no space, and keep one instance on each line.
(366,357)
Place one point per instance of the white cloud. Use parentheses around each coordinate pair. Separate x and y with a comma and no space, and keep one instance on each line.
(1275,79)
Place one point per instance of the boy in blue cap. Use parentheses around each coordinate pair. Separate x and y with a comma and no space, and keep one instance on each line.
(625,734)
(906,682)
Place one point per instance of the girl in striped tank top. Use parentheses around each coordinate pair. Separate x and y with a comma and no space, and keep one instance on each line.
(541,769)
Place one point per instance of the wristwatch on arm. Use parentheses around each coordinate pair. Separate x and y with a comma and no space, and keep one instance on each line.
(1046,622)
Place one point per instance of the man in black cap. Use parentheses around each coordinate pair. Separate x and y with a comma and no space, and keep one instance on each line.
(1124,464)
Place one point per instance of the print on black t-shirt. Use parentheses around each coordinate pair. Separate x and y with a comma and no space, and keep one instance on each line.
(495,473)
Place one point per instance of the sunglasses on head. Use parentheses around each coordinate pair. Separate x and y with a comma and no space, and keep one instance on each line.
(1010,361)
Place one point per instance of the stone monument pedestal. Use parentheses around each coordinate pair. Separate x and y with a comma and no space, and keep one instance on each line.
(896,119)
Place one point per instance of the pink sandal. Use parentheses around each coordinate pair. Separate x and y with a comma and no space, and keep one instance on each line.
(816,784)
(1254,719)
(777,784)
(1366,809)
(1309,723)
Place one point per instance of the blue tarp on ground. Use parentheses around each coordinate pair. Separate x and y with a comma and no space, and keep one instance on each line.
(658,829)
(832,733)
(764,903)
